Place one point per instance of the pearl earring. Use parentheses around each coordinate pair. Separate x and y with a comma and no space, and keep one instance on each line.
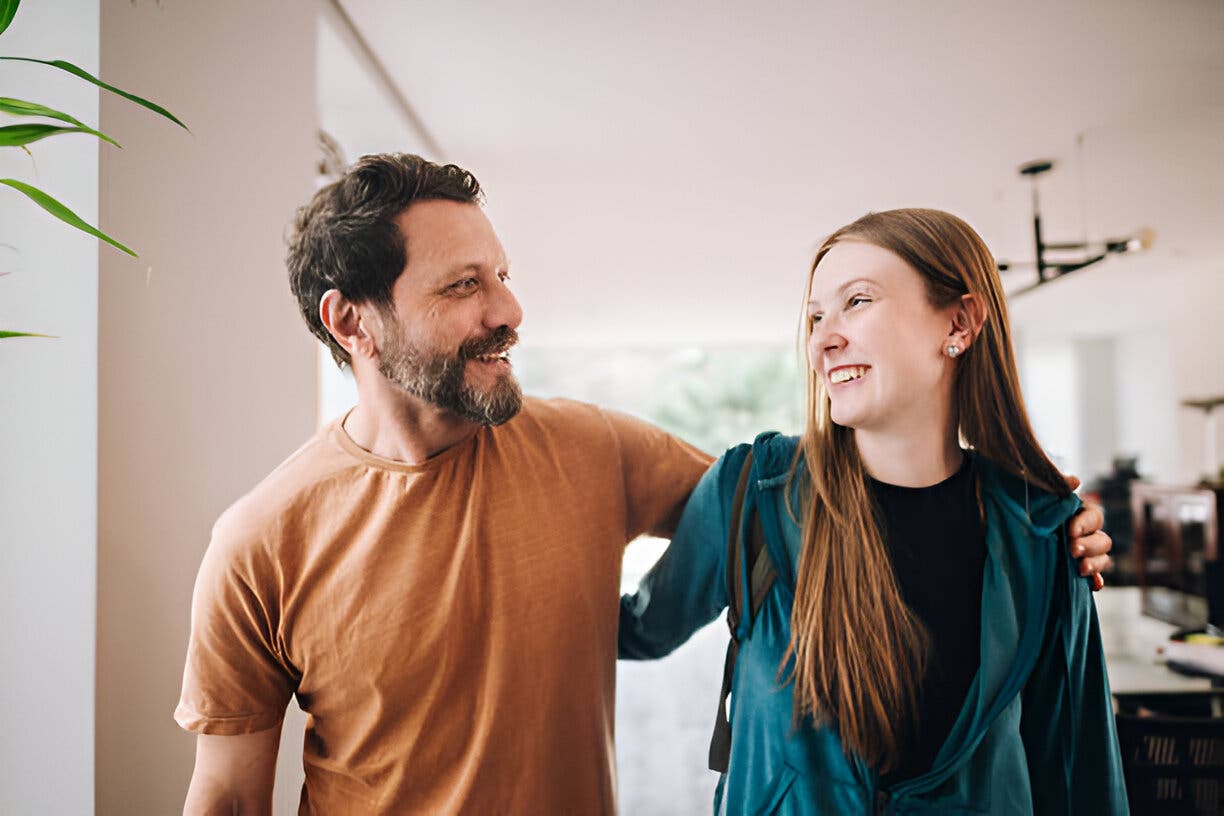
(953,350)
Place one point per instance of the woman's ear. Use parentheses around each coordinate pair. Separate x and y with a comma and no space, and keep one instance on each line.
(968,317)
(346,323)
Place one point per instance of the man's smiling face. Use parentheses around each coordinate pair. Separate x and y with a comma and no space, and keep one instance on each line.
(445,336)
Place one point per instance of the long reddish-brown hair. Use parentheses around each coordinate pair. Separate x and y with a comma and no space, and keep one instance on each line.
(859,652)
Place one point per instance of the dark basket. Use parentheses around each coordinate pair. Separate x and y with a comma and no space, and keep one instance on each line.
(1173,753)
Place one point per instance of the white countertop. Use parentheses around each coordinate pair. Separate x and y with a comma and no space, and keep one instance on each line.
(1130,639)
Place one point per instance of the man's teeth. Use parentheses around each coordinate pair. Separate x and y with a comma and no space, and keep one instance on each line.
(493,358)
(842,375)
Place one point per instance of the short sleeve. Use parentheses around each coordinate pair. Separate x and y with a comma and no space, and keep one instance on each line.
(659,472)
(686,588)
(235,680)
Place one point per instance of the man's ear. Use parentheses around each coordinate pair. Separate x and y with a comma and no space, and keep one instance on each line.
(968,317)
(348,324)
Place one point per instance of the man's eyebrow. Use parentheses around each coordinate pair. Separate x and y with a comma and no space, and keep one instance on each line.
(841,292)
(476,266)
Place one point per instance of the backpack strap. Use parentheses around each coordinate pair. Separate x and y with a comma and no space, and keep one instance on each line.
(761,577)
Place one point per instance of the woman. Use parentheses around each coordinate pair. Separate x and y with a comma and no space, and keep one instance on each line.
(928,645)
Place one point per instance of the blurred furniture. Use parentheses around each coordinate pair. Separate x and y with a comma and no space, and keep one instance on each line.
(1177,553)
(1173,751)
(1113,492)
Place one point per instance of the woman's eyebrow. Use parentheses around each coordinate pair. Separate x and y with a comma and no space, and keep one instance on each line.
(845,287)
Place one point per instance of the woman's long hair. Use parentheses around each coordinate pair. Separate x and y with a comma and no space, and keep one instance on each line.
(859,652)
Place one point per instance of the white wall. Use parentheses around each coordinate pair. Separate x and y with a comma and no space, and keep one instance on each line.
(1048,379)
(1096,407)
(1198,365)
(1145,397)
(48,431)
(355,110)
(1094,398)
(207,374)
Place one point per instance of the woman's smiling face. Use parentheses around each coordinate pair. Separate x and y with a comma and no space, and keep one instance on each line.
(877,343)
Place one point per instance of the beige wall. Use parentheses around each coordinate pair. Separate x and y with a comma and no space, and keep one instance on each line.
(206,375)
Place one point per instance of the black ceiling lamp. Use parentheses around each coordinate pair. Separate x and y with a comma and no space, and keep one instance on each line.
(1071,255)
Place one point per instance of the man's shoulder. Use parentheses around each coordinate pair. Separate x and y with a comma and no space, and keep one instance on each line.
(563,428)
(583,423)
(557,416)
(558,411)
(293,486)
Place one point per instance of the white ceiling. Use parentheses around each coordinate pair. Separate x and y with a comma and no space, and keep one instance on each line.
(662,171)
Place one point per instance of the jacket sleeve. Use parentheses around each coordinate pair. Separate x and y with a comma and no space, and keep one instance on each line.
(1067,724)
(686,588)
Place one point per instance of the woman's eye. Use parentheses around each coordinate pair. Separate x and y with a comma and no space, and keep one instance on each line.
(814,319)
(858,300)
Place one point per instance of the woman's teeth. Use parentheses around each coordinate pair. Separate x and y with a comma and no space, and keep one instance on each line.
(848,373)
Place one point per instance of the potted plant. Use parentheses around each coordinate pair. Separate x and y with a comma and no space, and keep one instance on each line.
(46,122)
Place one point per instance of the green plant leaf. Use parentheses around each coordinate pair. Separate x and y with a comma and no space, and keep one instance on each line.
(8,8)
(88,77)
(17,135)
(4,334)
(20,107)
(62,213)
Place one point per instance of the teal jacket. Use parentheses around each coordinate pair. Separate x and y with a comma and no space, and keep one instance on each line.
(1036,734)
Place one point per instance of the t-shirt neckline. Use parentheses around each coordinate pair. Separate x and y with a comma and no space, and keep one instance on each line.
(955,478)
(346,443)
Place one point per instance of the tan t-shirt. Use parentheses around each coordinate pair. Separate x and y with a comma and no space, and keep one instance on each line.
(449,628)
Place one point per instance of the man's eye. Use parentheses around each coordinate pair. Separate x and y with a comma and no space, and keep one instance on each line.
(464,286)
(503,276)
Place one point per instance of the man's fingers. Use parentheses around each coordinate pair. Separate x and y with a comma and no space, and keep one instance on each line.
(1073,482)
(1088,519)
(1099,543)
(1098,582)
(1096,564)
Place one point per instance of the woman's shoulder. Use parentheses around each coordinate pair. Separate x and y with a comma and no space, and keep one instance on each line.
(773,459)
(1039,507)
(774,453)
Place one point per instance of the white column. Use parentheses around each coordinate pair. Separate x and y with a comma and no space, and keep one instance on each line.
(48,430)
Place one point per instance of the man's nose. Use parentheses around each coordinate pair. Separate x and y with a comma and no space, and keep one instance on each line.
(504,308)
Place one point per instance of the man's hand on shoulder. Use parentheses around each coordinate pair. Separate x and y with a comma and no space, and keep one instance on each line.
(233,775)
(1089,543)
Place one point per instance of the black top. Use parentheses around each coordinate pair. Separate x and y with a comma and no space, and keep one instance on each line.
(937,543)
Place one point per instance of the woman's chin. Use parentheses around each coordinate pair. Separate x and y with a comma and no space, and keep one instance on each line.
(846,419)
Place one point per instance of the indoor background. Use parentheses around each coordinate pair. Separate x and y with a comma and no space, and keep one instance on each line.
(660,174)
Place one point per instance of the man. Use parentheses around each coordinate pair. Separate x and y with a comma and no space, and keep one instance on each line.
(435,575)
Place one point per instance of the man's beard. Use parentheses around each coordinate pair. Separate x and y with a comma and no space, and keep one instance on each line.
(440,379)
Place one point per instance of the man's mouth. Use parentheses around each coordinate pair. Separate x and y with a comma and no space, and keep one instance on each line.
(492,350)
(847,373)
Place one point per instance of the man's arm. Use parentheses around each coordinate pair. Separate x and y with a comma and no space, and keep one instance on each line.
(233,776)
